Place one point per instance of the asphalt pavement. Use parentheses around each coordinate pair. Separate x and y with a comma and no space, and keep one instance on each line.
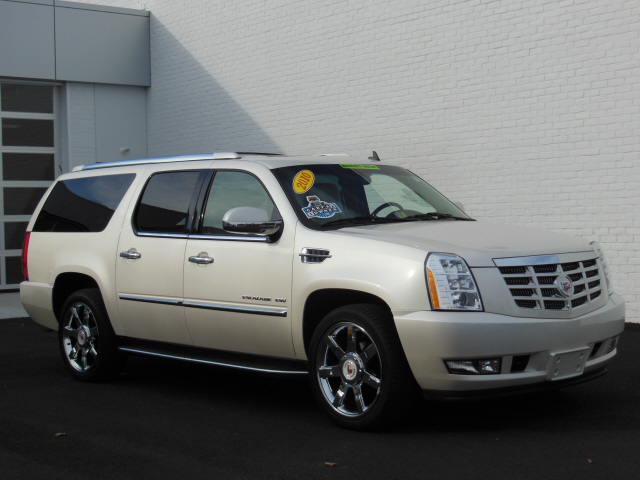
(164,419)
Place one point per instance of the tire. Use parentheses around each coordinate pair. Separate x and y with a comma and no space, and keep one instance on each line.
(86,338)
(364,383)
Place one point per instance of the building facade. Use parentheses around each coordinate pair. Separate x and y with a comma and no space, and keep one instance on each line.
(527,111)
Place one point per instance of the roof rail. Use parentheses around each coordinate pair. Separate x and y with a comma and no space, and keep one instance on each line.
(266,154)
(332,155)
(144,161)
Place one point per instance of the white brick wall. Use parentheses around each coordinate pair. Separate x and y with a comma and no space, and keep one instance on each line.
(527,111)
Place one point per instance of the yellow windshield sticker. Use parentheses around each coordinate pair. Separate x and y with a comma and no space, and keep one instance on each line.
(303,181)
(360,166)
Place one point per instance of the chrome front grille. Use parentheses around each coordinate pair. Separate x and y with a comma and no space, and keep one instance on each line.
(538,287)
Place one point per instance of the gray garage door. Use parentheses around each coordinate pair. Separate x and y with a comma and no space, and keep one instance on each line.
(28,159)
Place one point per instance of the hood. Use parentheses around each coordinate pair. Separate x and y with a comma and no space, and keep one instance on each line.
(477,242)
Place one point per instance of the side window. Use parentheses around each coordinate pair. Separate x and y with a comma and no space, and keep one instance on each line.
(82,204)
(230,190)
(164,206)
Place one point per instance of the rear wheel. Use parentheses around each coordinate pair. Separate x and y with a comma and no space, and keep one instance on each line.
(87,341)
(359,373)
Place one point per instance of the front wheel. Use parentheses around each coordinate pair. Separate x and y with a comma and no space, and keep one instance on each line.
(87,341)
(359,373)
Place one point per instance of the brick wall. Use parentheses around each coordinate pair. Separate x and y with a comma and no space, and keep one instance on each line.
(527,111)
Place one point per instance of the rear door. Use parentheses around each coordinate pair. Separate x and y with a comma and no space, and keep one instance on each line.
(149,269)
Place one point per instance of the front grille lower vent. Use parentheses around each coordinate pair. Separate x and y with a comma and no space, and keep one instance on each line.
(538,287)
(527,304)
(314,255)
(512,270)
(545,268)
(519,363)
(546,280)
(523,292)
(568,267)
(579,289)
(554,304)
(547,292)
(576,302)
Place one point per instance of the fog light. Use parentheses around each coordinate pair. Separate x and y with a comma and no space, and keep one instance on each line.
(612,344)
(487,366)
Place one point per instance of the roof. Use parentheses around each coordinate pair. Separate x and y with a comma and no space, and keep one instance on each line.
(269,160)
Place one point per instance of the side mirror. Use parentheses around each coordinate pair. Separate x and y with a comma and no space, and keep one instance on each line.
(250,221)
(458,204)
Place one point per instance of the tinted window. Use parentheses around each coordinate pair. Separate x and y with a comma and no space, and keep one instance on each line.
(26,98)
(28,166)
(164,206)
(21,200)
(82,204)
(14,270)
(230,190)
(24,132)
(14,235)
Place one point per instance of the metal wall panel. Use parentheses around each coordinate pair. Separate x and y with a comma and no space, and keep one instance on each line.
(27,40)
(102,47)
(121,122)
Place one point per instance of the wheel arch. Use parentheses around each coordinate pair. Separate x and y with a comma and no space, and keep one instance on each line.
(320,302)
(67,283)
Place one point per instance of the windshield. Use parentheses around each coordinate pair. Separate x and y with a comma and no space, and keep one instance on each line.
(345,194)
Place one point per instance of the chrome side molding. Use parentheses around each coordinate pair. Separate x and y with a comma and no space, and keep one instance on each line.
(232,308)
(209,306)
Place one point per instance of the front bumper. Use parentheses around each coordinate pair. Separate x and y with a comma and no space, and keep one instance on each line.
(430,337)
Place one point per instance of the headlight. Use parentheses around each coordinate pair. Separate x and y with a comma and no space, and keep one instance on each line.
(451,284)
(600,253)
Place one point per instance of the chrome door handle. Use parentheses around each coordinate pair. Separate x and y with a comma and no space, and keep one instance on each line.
(201,260)
(130,255)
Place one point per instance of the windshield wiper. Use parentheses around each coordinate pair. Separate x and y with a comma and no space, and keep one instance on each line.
(363,221)
(438,216)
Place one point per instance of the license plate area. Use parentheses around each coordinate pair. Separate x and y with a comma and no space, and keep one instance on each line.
(567,364)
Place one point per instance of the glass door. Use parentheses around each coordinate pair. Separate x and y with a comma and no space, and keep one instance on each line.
(28,159)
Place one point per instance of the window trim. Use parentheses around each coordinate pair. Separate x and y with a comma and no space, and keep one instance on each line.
(203,174)
(58,182)
(202,202)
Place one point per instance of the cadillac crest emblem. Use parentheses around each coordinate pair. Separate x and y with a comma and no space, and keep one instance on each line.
(564,286)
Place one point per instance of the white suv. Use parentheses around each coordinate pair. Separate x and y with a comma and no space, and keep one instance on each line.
(360,275)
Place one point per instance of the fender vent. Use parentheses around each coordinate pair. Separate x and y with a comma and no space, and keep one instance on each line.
(314,255)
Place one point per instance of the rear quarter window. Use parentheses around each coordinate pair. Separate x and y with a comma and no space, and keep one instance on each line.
(83,204)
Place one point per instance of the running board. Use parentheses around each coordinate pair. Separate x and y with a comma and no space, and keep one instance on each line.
(216,358)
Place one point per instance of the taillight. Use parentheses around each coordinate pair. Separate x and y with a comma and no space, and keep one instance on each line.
(25,253)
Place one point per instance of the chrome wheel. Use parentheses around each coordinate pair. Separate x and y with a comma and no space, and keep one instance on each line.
(349,369)
(80,337)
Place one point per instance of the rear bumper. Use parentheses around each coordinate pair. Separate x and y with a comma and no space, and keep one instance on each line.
(429,338)
(37,301)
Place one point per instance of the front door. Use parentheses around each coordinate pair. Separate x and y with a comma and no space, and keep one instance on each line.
(149,268)
(237,289)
